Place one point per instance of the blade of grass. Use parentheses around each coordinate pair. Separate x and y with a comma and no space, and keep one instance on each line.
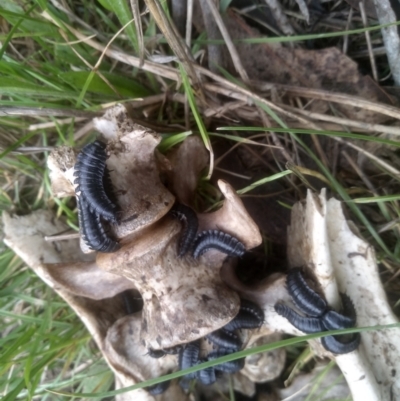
(13,30)
(339,189)
(270,112)
(353,207)
(31,319)
(17,144)
(230,357)
(172,140)
(264,181)
(199,120)
(316,132)
(123,12)
(239,139)
(376,199)
(296,38)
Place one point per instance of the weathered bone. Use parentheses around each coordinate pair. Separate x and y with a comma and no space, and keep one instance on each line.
(265,366)
(331,385)
(184,299)
(129,358)
(183,180)
(103,315)
(320,238)
(87,280)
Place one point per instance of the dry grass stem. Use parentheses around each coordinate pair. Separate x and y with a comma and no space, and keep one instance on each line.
(84,130)
(215,52)
(149,66)
(44,112)
(30,150)
(246,95)
(300,172)
(229,172)
(95,68)
(360,173)
(174,40)
(346,122)
(189,22)
(231,47)
(61,237)
(378,51)
(390,34)
(280,17)
(274,137)
(149,100)
(368,40)
(247,140)
(304,10)
(319,150)
(341,98)
(139,29)
(376,159)
(53,124)
(219,111)
(236,92)
(346,37)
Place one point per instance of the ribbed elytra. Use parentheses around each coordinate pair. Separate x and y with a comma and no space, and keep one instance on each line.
(305,324)
(90,170)
(190,225)
(320,316)
(254,309)
(250,316)
(336,346)
(226,339)
(227,367)
(333,320)
(188,357)
(206,376)
(215,239)
(109,190)
(305,298)
(243,320)
(92,230)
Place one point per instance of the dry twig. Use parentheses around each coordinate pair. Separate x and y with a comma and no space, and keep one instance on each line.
(390,35)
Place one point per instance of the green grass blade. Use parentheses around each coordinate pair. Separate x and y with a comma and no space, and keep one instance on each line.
(264,181)
(341,191)
(296,38)
(17,144)
(338,188)
(123,12)
(199,120)
(341,134)
(13,30)
(270,112)
(231,357)
(172,140)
